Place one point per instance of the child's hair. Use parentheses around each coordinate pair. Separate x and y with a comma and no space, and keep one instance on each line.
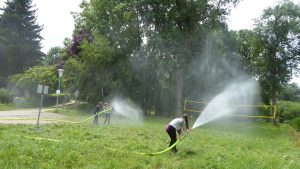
(186,119)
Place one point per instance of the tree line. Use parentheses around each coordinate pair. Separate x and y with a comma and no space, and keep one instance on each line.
(155,52)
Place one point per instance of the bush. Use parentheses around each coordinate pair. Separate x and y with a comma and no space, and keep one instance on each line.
(4,95)
(296,123)
(5,107)
(288,110)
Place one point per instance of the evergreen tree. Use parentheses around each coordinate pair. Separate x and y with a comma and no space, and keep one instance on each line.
(19,37)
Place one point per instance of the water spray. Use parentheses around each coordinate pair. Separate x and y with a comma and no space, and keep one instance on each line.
(242,93)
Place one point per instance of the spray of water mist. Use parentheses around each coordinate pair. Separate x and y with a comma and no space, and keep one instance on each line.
(237,93)
(127,109)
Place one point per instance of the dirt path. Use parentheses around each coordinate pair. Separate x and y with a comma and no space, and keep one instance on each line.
(19,116)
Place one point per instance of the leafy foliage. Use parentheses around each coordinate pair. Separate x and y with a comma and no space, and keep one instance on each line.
(288,110)
(296,123)
(54,56)
(78,38)
(272,48)
(4,95)
(290,92)
(34,76)
(151,46)
(91,71)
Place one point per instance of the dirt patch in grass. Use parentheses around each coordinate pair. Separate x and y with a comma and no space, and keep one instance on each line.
(28,116)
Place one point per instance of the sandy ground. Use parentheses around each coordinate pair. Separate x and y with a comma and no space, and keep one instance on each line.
(19,116)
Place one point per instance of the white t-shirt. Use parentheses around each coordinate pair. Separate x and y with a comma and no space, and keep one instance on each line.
(177,123)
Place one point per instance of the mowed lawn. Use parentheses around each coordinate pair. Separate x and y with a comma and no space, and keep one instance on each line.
(220,144)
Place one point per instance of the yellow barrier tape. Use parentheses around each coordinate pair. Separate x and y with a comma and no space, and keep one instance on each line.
(275,110)
(268,117)
(191,110)
(237,115)
(40,138)
(258,105)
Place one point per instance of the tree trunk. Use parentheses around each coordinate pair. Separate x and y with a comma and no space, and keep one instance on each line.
(179,89)
(102,85)
(273,110)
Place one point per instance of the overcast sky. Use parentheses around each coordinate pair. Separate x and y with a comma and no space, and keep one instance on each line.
(55,16)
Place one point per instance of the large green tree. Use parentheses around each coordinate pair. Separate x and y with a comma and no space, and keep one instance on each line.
(54,55)
(271,51)
(19,37)
(152,45)
(106,34)
(176,33)
(277,52)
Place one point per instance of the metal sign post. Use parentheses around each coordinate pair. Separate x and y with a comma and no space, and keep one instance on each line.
(41,90)
(60,73)
(76,96)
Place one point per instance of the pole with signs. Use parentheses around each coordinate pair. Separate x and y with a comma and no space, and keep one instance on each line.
(41,90)
(76,96)
(60,73)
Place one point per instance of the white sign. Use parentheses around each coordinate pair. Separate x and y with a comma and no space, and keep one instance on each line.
(76,93)
(57,91)
(45,91)
(60,72)
(40,89)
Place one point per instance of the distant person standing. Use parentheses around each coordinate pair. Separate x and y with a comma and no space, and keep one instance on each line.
(176,125)
(107,113)
(96,111)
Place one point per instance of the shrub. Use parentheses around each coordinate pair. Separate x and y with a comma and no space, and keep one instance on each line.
(296,123)
(289,110)
(4,95)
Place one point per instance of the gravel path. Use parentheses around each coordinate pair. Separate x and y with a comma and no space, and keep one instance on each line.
(6,117)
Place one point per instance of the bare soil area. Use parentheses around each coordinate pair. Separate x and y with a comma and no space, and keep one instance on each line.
(27,116)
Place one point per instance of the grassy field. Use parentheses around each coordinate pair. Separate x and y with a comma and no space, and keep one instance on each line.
(221,144)
(4,107)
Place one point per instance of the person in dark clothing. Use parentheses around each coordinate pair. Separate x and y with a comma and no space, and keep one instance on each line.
(96,111)
(176,125)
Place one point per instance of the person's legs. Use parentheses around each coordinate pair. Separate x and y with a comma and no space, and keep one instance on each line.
(107,118)
(96,120)
(172,133)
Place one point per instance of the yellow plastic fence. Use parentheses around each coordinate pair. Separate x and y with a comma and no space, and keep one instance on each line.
(186,102)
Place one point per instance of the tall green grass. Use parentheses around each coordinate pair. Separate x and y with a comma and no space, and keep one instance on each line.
(5,107)
(289,110)
(221,144)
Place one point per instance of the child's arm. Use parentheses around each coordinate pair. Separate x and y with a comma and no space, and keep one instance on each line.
(180,133)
